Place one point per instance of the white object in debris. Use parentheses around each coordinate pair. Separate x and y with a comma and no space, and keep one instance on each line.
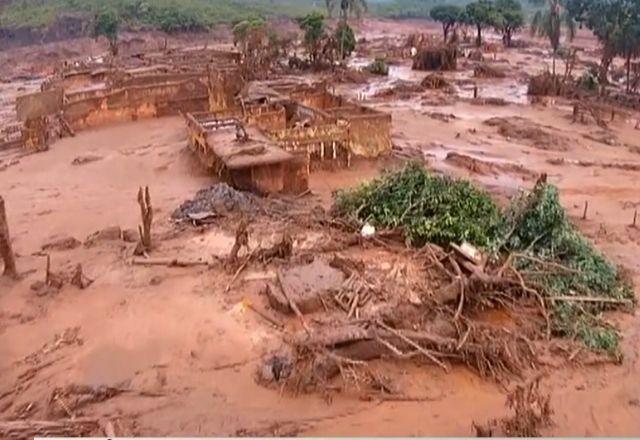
(368,230)
(414,51)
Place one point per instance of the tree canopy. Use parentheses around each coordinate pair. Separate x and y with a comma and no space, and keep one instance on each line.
(448,15)
(509,19)
(482,14)
(313,27)
(613,22)
(107,24)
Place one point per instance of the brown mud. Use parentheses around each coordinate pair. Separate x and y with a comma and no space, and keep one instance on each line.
(174,350)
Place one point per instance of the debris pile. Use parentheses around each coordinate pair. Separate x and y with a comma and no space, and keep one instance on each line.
(484,70)
(546,84)
(216,199)
(532,238)
(436,58)
(436,81)
(528,262)
(515,127)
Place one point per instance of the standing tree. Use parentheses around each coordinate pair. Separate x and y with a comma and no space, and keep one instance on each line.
(344,32)
(548,23)
(106,24)
(481,14)
(607,19)
(312,25)
(627,41)
(448,15)
(510,19)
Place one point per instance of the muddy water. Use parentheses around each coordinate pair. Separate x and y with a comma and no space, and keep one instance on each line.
(177,333)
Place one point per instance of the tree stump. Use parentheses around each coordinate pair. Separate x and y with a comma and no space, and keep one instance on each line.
(146,213)
(5,244)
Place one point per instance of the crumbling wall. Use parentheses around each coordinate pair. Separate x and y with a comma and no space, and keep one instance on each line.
(39,104)
(137,102)
(224,86)
(317,98)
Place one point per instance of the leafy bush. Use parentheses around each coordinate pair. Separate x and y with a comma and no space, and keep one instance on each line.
(379,66)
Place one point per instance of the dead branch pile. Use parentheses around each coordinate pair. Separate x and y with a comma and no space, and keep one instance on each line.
(436,58)
(28,429)
(531,413)
(485,70)
(436,81)
(546,84)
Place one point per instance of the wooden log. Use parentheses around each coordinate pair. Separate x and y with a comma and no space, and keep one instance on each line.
(6,252)
(28,429)
(146,213)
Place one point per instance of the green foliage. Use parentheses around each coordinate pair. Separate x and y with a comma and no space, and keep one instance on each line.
(429,208)
(540,229)
(551,254)
(242,30)
(448,15)
(106,24)
(169,15)
(346,38)
(314,30)
(379,66)
(509,19)
(482,14)
(589,81)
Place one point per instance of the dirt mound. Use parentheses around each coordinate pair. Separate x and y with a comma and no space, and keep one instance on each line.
(485,167)
(216,198)
(484,70)
(488,101)
(515,127)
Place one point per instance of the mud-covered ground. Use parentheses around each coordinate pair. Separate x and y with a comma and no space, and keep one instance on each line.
(187,350)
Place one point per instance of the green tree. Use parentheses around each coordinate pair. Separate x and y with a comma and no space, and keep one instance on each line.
(344,34)
(627,40)
(313,27)
(353,7)
(482,14)
(610,21)
(106,23)
(510,19)
(448,15)
(548,23)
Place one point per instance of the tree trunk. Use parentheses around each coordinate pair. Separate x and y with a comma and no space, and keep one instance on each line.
(445,29)
(629,73)
(553,63)
(479,37)
(146,213)
(507,38)
(5,244)
(604,67)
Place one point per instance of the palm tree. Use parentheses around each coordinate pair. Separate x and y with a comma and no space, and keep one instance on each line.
(549,22)
(353,7)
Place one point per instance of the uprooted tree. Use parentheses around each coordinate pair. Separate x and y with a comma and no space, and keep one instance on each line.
(6,252)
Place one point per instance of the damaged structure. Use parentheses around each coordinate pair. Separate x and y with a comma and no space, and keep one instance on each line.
(261,136)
